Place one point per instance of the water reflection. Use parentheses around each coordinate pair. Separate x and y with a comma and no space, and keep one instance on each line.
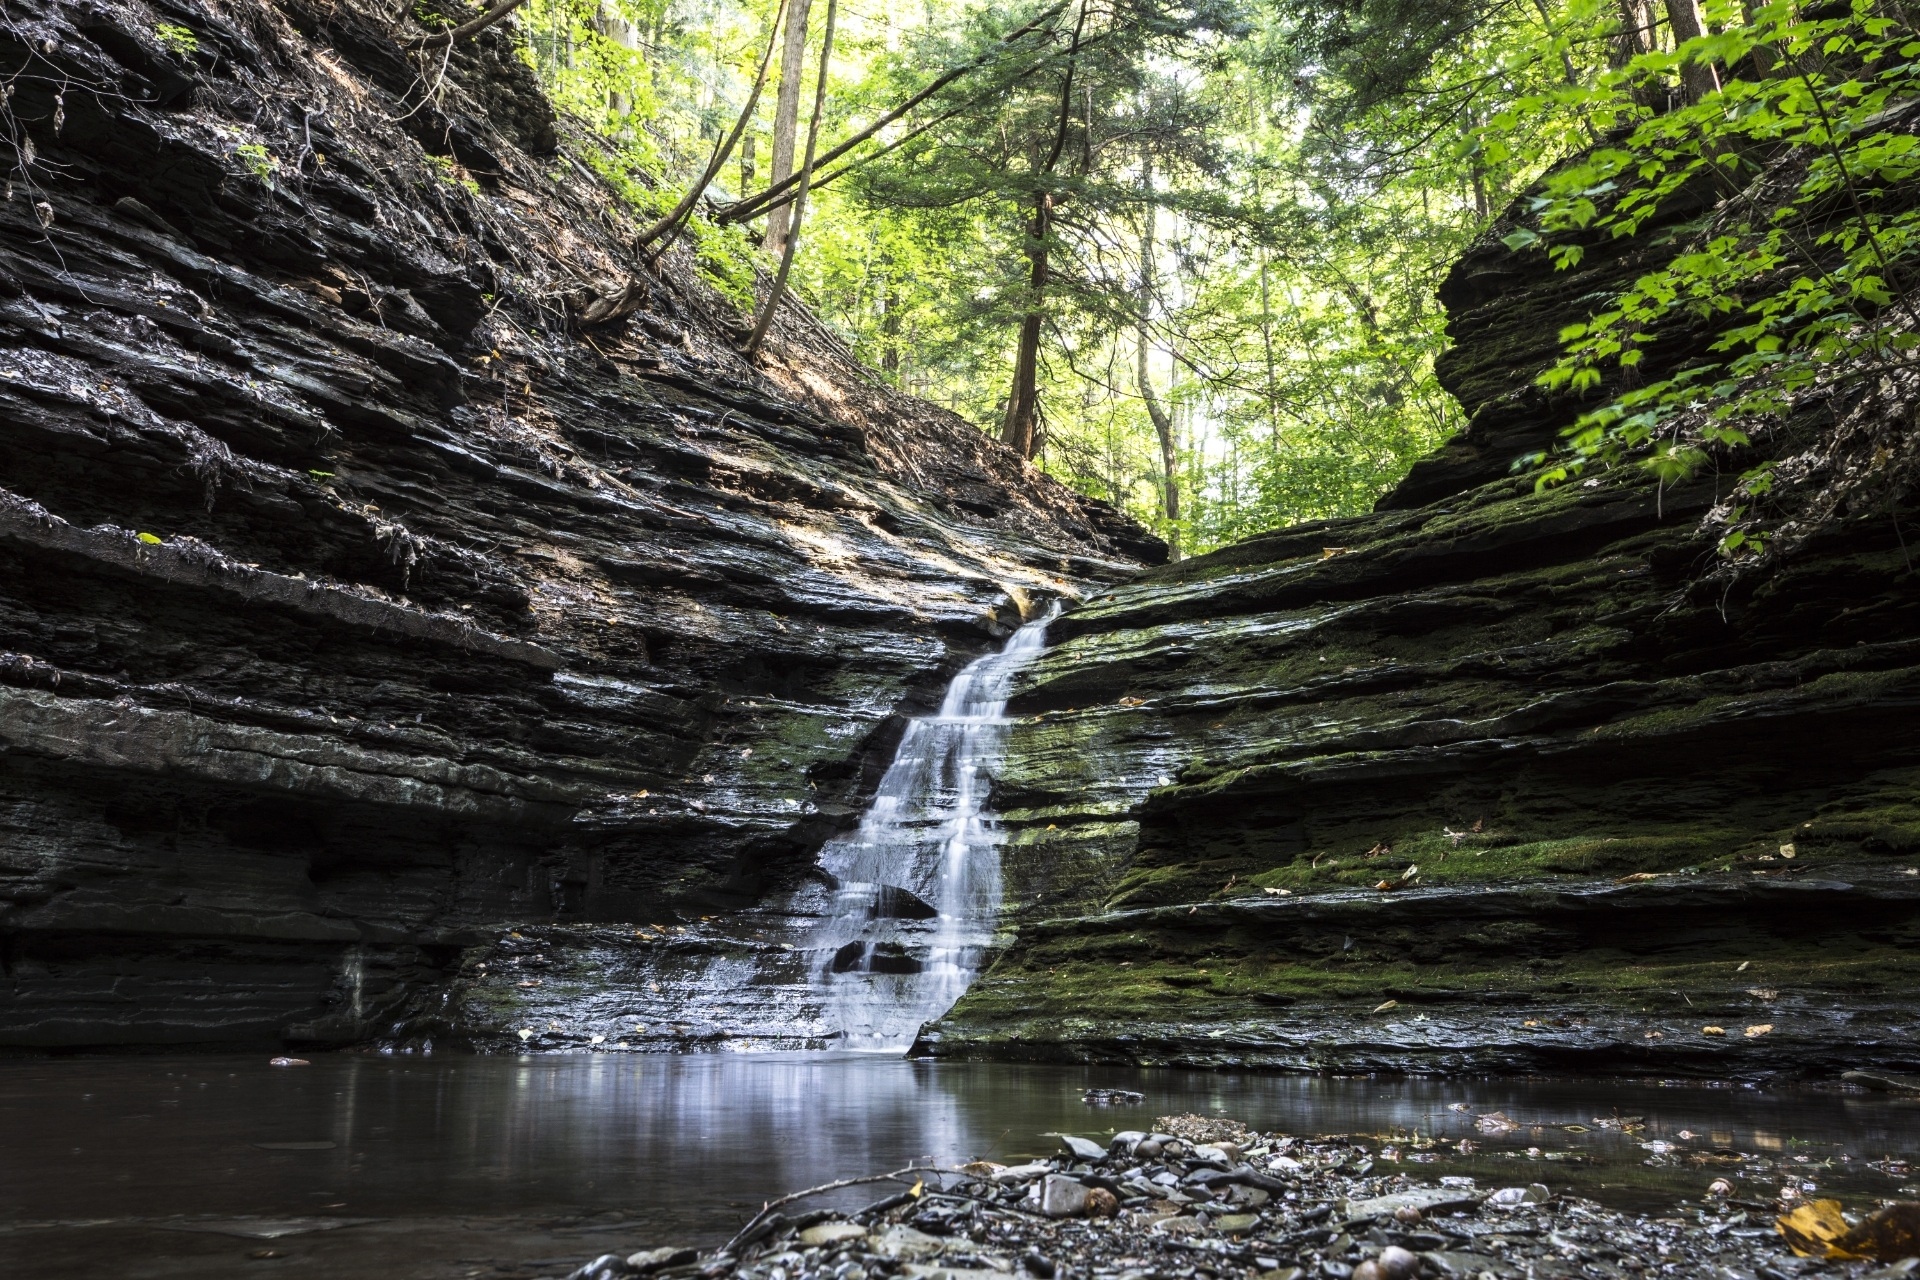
(683,1147)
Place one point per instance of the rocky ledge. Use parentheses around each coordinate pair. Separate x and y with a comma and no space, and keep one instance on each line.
(1488,780)
(1225,1201)
(387,554)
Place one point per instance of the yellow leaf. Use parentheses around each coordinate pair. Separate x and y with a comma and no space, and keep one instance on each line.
(1811,1229)
(1759,1029)
(1713,1031)
(151,539)
(918,1186)
(1385,1005)
(1328,553)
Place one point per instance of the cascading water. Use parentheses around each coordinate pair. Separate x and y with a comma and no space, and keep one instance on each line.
(919,881)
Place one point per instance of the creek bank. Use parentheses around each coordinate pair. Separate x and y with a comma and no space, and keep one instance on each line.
(1205,1197)
(358,599)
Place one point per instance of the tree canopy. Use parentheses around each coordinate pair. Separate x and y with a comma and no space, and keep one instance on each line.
(1183,253)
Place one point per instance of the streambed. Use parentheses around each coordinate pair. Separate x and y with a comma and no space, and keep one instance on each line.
(496,1166)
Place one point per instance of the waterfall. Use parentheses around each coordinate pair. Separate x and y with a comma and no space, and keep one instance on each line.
(918,883)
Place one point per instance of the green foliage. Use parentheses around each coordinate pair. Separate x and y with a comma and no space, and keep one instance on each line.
(177,38)
(258,161)
(1800,154)
(1312,169)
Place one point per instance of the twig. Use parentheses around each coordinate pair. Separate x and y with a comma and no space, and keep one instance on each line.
(771,1205)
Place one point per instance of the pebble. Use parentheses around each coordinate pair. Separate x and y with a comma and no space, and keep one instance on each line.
(1162,1207)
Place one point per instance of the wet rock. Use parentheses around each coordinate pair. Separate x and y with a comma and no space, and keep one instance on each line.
(1083,1149)
(647,1261)
(1423,1199)
(830,1233)
(1059,1196)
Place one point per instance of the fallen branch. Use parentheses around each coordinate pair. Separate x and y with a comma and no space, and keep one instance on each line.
(720,152)
(753,206)
(770,1206)
(465,30)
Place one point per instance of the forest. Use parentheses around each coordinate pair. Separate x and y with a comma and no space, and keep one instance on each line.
(1184,255)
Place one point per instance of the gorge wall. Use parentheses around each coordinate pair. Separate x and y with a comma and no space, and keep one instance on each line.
(359,596)
(1488,780)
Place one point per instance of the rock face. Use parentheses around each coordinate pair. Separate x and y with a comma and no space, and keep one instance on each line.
(1487,780)
(355,599)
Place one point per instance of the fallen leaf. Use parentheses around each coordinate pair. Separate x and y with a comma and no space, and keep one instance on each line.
(1385,1005)
(1763,993)
(1889,1235)
(1759,1029)
(1279,893)
(1743,966)
(1713,1031)
(1811,1229)
(1787,851)
(1328,553)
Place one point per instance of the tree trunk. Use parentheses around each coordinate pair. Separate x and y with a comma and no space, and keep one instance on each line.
(746,162)
(1143,378)
(1020,430)
(786,114)
(1697,78)
(791,241)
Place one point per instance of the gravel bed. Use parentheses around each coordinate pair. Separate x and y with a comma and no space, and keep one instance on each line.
(1206,1198)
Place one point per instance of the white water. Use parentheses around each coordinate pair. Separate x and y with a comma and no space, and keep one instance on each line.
(885,963)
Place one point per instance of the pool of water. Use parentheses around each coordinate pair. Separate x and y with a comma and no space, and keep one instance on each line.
(471,1166)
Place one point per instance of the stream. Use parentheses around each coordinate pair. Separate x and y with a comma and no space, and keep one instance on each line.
(486,1166)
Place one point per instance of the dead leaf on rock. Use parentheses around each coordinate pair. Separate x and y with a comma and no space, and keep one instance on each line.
(1759,1029)
(1713,1031)
(1385,1005)
(1328,553)
(1816,1229)
(1811,1229)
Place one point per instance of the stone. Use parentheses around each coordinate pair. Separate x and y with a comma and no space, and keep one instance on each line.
(1513,1197)
(1124,1142)
(1397,1263)
(828,1233)
(903,1242)
(1234,1224)
(1059,1196)
(1083,1149)
(1021,1173)
(1424,1199)
(647,1261)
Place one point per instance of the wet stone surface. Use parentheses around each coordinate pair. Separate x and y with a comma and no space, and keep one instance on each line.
(1198,1197)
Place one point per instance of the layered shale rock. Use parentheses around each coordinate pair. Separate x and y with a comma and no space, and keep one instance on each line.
(1487,780)
(361,589)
